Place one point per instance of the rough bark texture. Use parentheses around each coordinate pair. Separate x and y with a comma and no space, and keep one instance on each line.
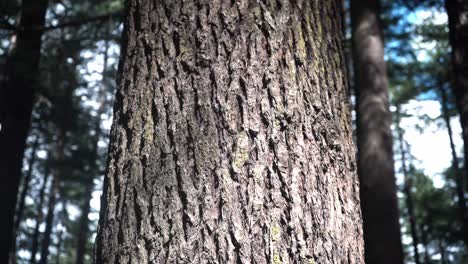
(16,99)
(375,155)
(231,140)
(457,11)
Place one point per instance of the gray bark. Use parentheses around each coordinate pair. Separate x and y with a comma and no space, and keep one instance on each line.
(231,140)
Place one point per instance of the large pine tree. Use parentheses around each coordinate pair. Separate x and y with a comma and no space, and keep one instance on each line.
(231,140)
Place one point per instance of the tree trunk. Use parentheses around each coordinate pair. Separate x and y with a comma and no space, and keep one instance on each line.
(54,188)
(424,233)
(407,186)
(60,235)
(39,217)
(442,252)
(22,198)
(82,240)
(374,137)
(231,140)
(457,11)
(16,100)
(459,181)
(26,182)
(59,247)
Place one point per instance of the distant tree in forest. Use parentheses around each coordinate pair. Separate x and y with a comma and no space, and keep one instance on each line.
(16,101)
(374,137)
(457,11)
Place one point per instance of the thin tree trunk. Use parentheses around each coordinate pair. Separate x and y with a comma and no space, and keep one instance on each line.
(54,188)
(57,157)
(22,199)
(86,207)
(64,218)
(16,100)
(459,181)
(26,183)
(407,191)
(231,140)
(374,137)
(39,217)
(82,236)
(427,258)
(59,247)
(457,11)
(442,252)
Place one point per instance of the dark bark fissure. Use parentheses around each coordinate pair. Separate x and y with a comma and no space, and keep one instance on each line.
(16,100)
(374,137)
(457,11)
(231,140)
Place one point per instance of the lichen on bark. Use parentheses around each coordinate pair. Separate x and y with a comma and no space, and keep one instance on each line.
(248,135)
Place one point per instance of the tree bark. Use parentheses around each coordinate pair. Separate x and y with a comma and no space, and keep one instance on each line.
(457,11)
(407,186)
(16,100)
(374,137)
(231,140)
(39,217)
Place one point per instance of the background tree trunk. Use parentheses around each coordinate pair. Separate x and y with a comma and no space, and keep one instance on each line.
(459,181)
(49,223)
(375,155)
(86,208)
(16,100)
(457,11)
(40,215)
(22,198)
(231,140)
(407,190)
